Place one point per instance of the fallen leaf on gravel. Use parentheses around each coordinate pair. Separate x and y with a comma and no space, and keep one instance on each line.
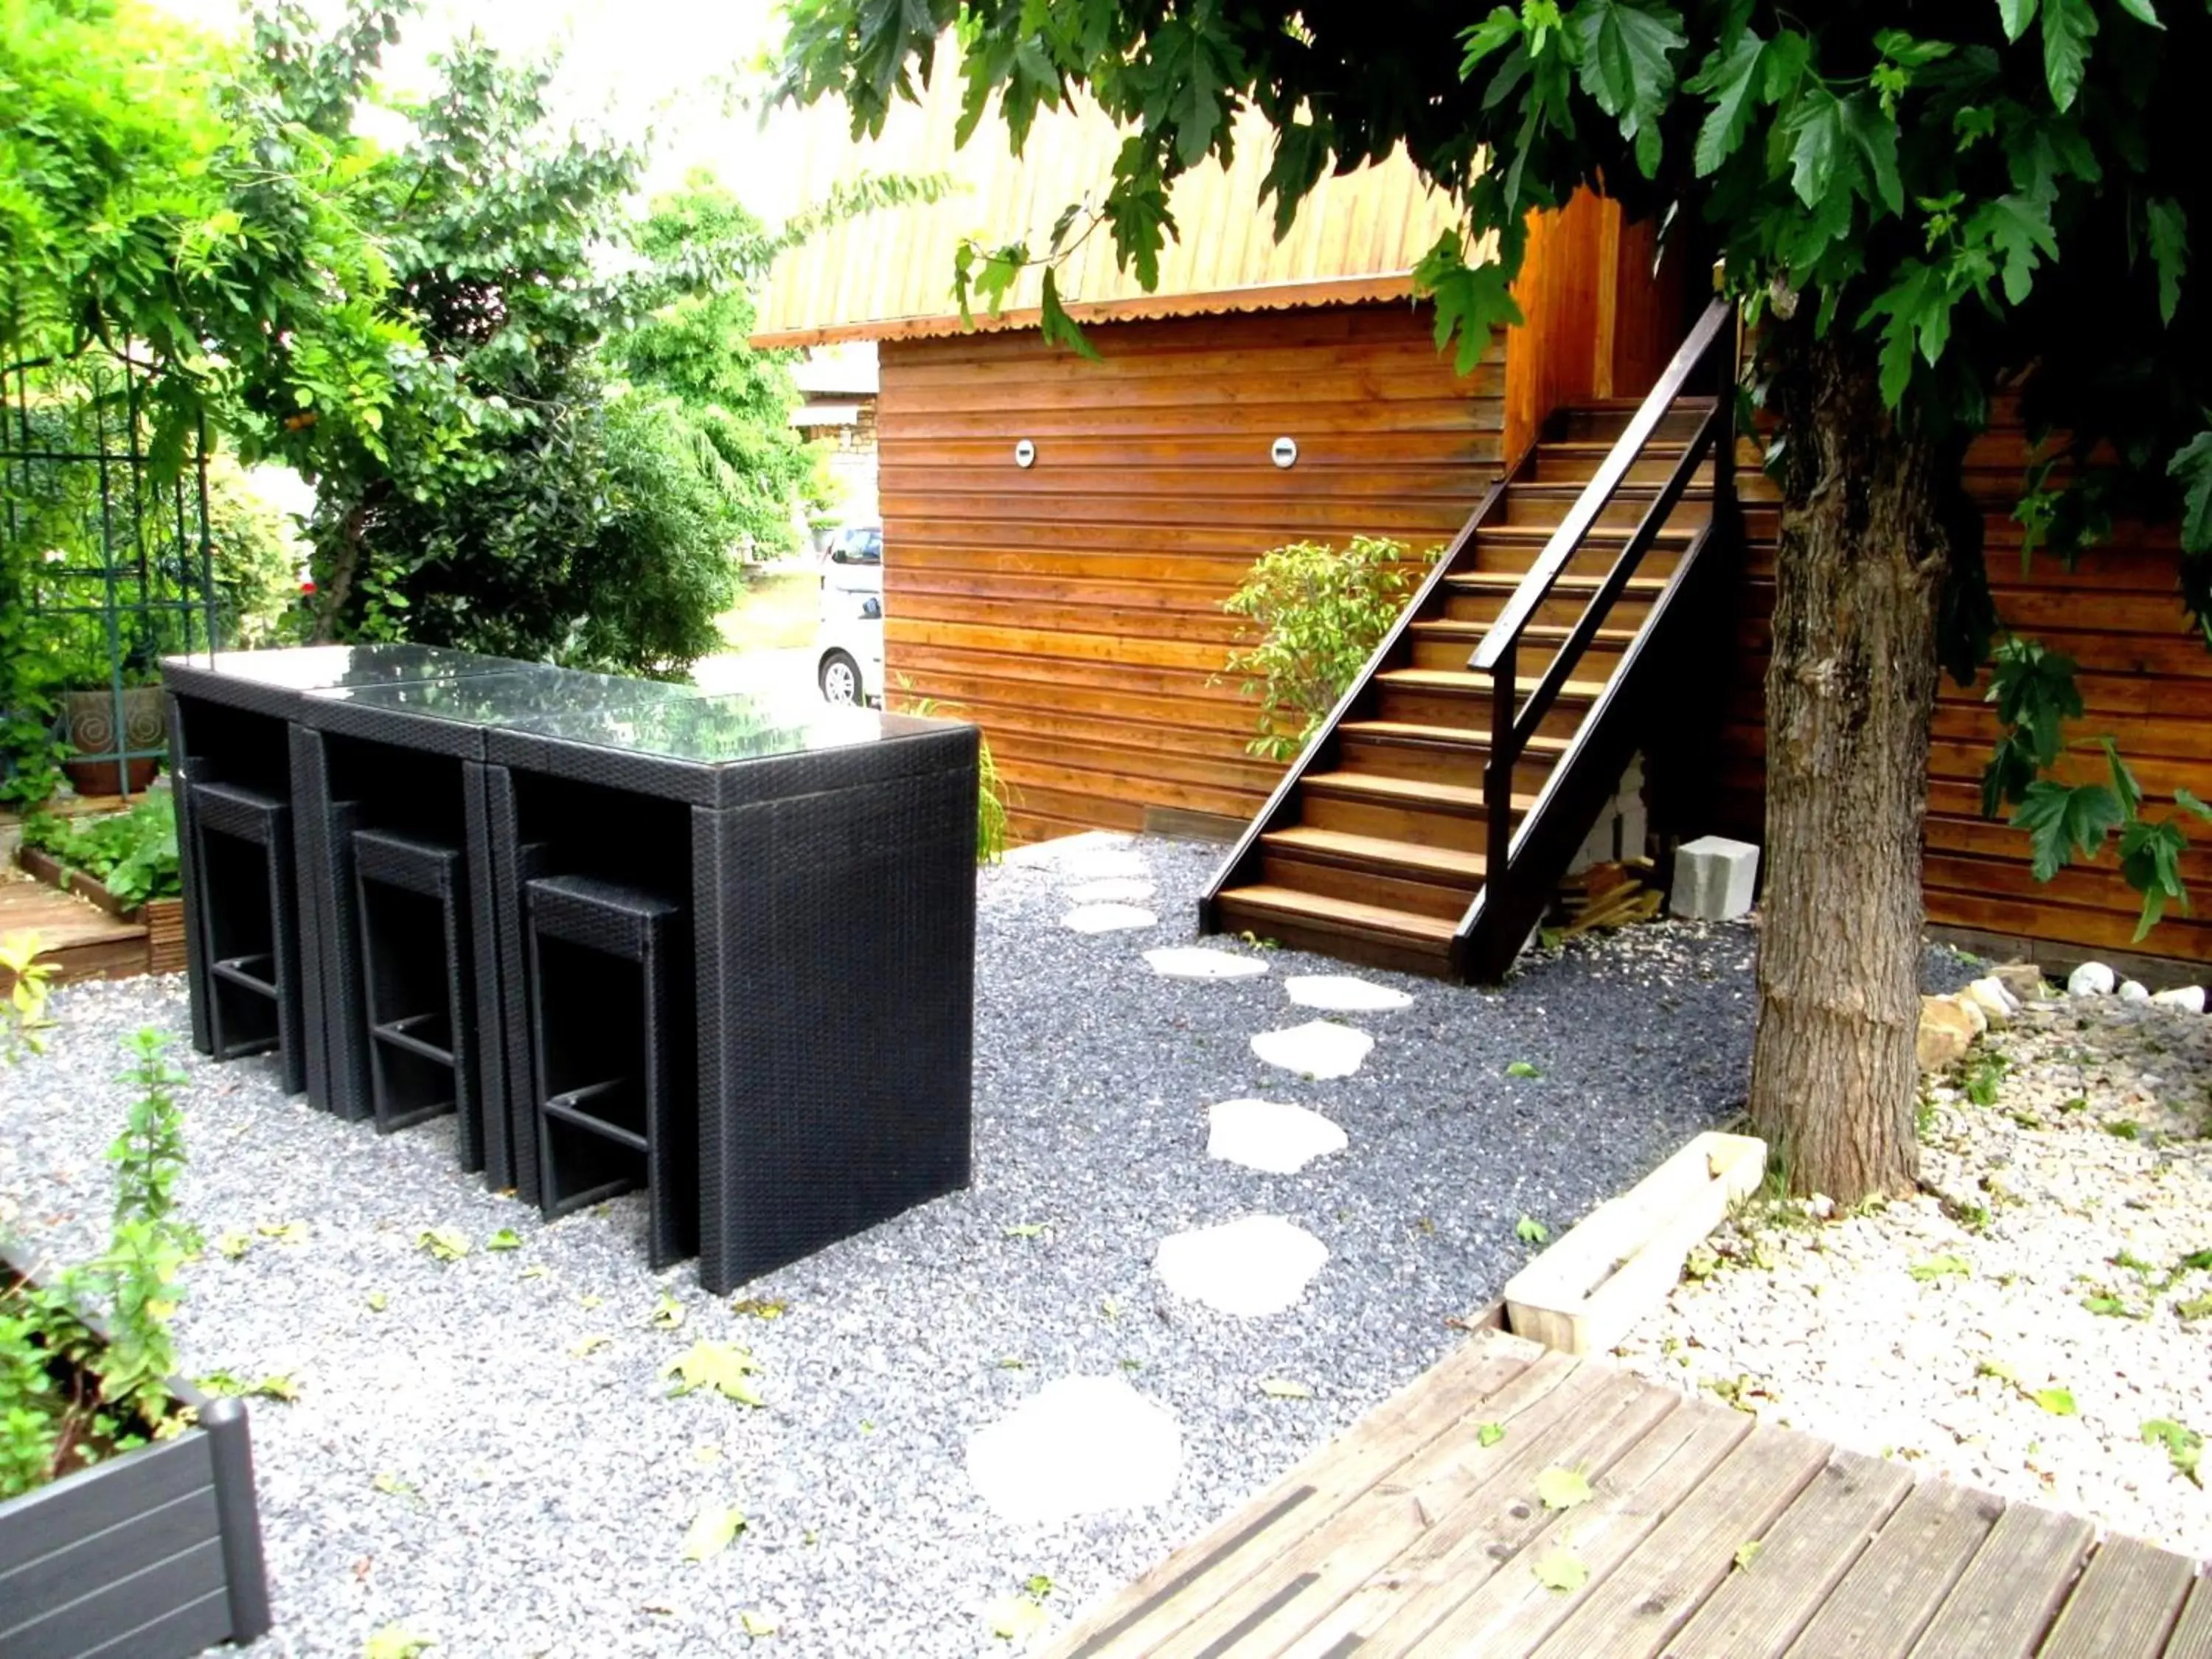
(1026,1230)
(393,1642)
(505,1239)
(711,1532)
(1562,1488)
(1941,1266)
(667,1313)
(443,1243)
(1490,1434)
(590,1345)
(1529,1230)
(286,1232)
(2059,1402)
(1522,1069)
(1281,1387)
(232,1245)
(759,1307)
(378,1302)
(390,1485)
(756,1624)
(722,1366)
(2184,1447)
(1561,1569)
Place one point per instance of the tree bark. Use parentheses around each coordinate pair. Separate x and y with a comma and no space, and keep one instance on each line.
(1850,690)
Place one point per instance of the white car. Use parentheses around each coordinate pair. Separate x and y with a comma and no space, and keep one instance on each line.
(849,646)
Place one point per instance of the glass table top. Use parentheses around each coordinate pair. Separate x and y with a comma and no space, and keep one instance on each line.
(309,667)
(711,731)
(507,694)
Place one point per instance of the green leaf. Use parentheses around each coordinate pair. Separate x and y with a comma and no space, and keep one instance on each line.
(1054,322)
(377,1301)
(1817,129)
(1561,1569)
(1280,1388)
(232,1245)
(756,1624)
(1940,1266)
(2059,1402)
(1626,49)
(1472,302)
(2063,821)
(1732,78)
(723,1367)
(1746,1553)
(390,1485)
(2193,466)
(392,1642)
(1560,1488)
(2142,12)
(2016,15)
(1027,1229)
(1016,1617)
(2167,224)
(2184,1447)
(286,1232)
(712,1531)
(2069,26)
(444,1243)
(1529,1230)
(2017,228)
(1501,29)
(1873,135)
(505,1239)
(667,1313)
(1489,1434)
(1522,1069)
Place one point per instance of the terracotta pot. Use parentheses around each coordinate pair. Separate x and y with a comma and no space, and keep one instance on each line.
(89,718)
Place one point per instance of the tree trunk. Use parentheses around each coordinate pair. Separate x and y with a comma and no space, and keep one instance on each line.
(1850,690)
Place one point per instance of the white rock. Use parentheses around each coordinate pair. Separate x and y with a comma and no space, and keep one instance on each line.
(1995,1002)
(1115,890)
(1077,1446)
(1108,918)
(1252,1268)
(1055,853)
(1196,961)
(1318,1048)
(2091,979)
(1267,1136)
(1342,994)
(2189,997)
(2134,990)
(1714,879)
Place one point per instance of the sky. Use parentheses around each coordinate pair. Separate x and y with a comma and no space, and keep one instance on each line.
(626,64)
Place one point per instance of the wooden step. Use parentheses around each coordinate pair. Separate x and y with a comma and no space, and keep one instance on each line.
(1371,934)
(1547,504)
(1438,754)
(1413,734)
(1429,794)
(1578,463)
(1606,419)
(1458,683)
(1516,547)
(1447,864)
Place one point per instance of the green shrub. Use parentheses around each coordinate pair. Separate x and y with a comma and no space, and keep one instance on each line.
(133,854)
(67,1398)
(1320,614)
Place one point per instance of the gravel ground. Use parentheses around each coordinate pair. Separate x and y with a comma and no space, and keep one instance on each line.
(484,1451)
(2049,1252)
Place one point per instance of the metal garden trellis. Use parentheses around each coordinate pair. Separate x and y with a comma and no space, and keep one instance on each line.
(108,550)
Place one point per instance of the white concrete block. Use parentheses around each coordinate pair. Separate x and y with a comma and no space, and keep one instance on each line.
(1714,879)
(2189,998)
(2092,979)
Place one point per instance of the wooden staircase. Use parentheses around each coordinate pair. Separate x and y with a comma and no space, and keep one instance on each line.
(1574,576)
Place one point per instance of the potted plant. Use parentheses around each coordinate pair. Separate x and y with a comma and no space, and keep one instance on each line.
(127,1514)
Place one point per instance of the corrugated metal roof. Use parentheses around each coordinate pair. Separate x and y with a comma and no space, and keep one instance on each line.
(889,275)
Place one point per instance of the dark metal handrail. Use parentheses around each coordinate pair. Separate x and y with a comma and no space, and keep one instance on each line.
(1513,725)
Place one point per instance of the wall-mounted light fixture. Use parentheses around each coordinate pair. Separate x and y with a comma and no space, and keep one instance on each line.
(1284,451)
(1025,453)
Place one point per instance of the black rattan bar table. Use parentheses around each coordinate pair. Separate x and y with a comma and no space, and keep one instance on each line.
(231,722)
(827,860)
(406,757)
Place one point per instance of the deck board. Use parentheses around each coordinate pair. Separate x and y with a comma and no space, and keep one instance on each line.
(1408,1536)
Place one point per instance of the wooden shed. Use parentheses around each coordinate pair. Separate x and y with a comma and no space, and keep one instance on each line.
(1059,535)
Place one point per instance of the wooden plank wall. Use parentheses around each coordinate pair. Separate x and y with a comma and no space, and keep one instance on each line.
(2147,682)
(1073,609)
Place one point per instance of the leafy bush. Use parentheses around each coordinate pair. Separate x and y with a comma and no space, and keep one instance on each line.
(1320,614)
(23,1014)
(67,1398)
(133,854)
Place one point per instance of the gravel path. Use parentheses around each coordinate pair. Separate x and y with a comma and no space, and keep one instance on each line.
(2017,1326)
(484,1451)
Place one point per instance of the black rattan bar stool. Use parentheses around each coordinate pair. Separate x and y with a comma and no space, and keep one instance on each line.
(410,898)
(601,1039)
(242,845)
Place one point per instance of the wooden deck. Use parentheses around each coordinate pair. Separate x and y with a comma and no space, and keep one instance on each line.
(1706,1537)
(80,940)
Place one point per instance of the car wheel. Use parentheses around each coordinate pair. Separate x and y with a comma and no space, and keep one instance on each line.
(841,679)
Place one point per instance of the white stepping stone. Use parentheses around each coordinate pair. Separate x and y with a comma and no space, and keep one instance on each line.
(1319,1048)
(1270,1137)
(1196,961)
(1077,1446)
(1052,854)
(1340,993)
(1106,918)
(1115,889)
(1252,1268)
